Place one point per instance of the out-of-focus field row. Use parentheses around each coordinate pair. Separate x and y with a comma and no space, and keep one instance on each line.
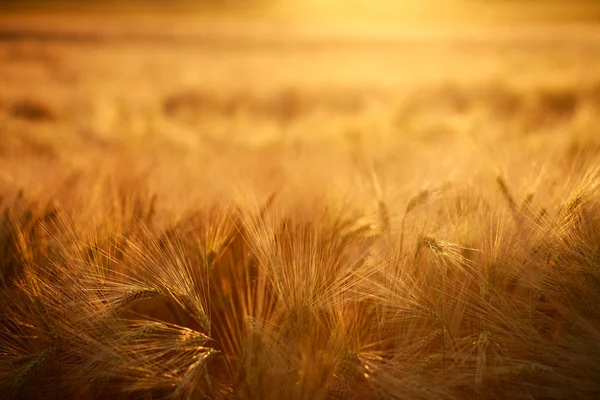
(224,96)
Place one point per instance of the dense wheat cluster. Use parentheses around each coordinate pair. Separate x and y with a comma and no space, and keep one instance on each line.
(225,213)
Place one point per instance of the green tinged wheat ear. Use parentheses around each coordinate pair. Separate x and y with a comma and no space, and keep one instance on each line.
(32,369)
(149,329)
(431,243)
(431,360)
(350,364)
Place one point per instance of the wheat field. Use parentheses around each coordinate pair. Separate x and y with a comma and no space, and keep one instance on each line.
(255,206)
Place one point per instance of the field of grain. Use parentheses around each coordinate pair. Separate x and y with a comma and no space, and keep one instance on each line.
(246,207)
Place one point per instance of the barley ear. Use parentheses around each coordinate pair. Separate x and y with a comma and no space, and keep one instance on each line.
(506,192)
(32,370)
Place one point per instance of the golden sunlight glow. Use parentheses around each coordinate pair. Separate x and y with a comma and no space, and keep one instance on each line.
(300,199)
(454,12)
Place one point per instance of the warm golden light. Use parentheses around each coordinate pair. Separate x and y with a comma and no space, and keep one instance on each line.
(300,199)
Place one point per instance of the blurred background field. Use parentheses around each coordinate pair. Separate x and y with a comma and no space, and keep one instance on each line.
(441,83)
